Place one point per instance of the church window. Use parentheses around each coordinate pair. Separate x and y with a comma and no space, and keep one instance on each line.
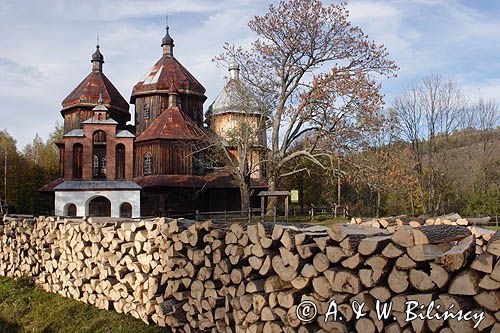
(99,155)
(77,160)
(120,161)
(146,111)
(148,161)
(99,137)
(96,165)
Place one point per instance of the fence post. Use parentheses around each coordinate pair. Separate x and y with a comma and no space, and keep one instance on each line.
(274,217)
(262,204)
(225,215)
(197,216)
(249,214)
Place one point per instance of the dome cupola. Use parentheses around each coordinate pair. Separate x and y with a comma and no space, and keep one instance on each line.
(97,60)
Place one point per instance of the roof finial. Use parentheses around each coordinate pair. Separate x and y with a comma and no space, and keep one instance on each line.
(167,42)
(97,58)
(100,101)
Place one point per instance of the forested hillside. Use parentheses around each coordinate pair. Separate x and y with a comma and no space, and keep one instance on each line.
(470,164)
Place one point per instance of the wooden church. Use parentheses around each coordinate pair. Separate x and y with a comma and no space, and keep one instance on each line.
(151,168)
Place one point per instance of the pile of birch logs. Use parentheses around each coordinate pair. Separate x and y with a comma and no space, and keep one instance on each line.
(210,276)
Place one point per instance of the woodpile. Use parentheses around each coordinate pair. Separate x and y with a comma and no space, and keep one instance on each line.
(481,234)
(210,276)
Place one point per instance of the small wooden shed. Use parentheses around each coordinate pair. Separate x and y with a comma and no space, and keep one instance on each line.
(265,194)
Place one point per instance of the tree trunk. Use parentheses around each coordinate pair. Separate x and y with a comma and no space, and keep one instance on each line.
(244,195)
(272,202)
(378,203)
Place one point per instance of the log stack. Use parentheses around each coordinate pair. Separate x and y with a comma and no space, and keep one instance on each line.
(210,276)
(481,234)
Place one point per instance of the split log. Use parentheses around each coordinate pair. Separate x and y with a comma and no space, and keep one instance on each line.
(465,283)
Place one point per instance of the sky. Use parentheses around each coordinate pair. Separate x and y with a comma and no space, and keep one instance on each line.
(46,46)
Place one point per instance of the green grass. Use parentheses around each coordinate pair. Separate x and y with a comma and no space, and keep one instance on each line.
(495,228)
(27,308)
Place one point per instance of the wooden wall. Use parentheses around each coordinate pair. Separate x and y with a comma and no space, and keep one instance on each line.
(169,158)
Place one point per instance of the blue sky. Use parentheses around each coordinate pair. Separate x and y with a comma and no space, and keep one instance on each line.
(46,46)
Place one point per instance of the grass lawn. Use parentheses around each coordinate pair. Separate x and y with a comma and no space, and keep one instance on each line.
(27,308)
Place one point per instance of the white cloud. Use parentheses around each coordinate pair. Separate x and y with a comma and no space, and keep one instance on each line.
(47,46)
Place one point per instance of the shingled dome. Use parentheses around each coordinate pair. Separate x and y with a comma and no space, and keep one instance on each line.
(167,71)
(95,84)
(233,98)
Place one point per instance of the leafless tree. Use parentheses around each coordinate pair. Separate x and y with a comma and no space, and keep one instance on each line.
(486,116)
(428,112)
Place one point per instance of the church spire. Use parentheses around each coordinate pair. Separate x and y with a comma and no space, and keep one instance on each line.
(167,43)
(97,59)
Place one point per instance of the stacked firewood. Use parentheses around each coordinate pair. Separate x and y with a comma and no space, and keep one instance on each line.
(109,265)
(17,256)
(481,234)
(238,278)
(211,276)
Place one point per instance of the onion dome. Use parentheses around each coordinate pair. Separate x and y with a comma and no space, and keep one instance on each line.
(165,72)
(97,56)
(167,40)
(94,85)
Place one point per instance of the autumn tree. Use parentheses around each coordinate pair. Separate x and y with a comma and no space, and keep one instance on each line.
(45,154)
(8,166)
(313,73)
(24,172)
(428,112)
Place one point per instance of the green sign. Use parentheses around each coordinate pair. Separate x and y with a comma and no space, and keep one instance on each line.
(295,195)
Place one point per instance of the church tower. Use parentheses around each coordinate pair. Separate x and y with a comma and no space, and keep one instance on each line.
(169,122)
(96,153)
(233,107)
(150,95)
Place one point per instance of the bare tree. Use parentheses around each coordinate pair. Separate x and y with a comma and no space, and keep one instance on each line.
(486,117)
(428,113)
(313,73)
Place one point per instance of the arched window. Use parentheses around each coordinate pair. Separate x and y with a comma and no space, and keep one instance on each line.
(146,111)
(71,210)
(148,163)
(120,161)
(99,155)
(99,137)
(77,160)
(125,210)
